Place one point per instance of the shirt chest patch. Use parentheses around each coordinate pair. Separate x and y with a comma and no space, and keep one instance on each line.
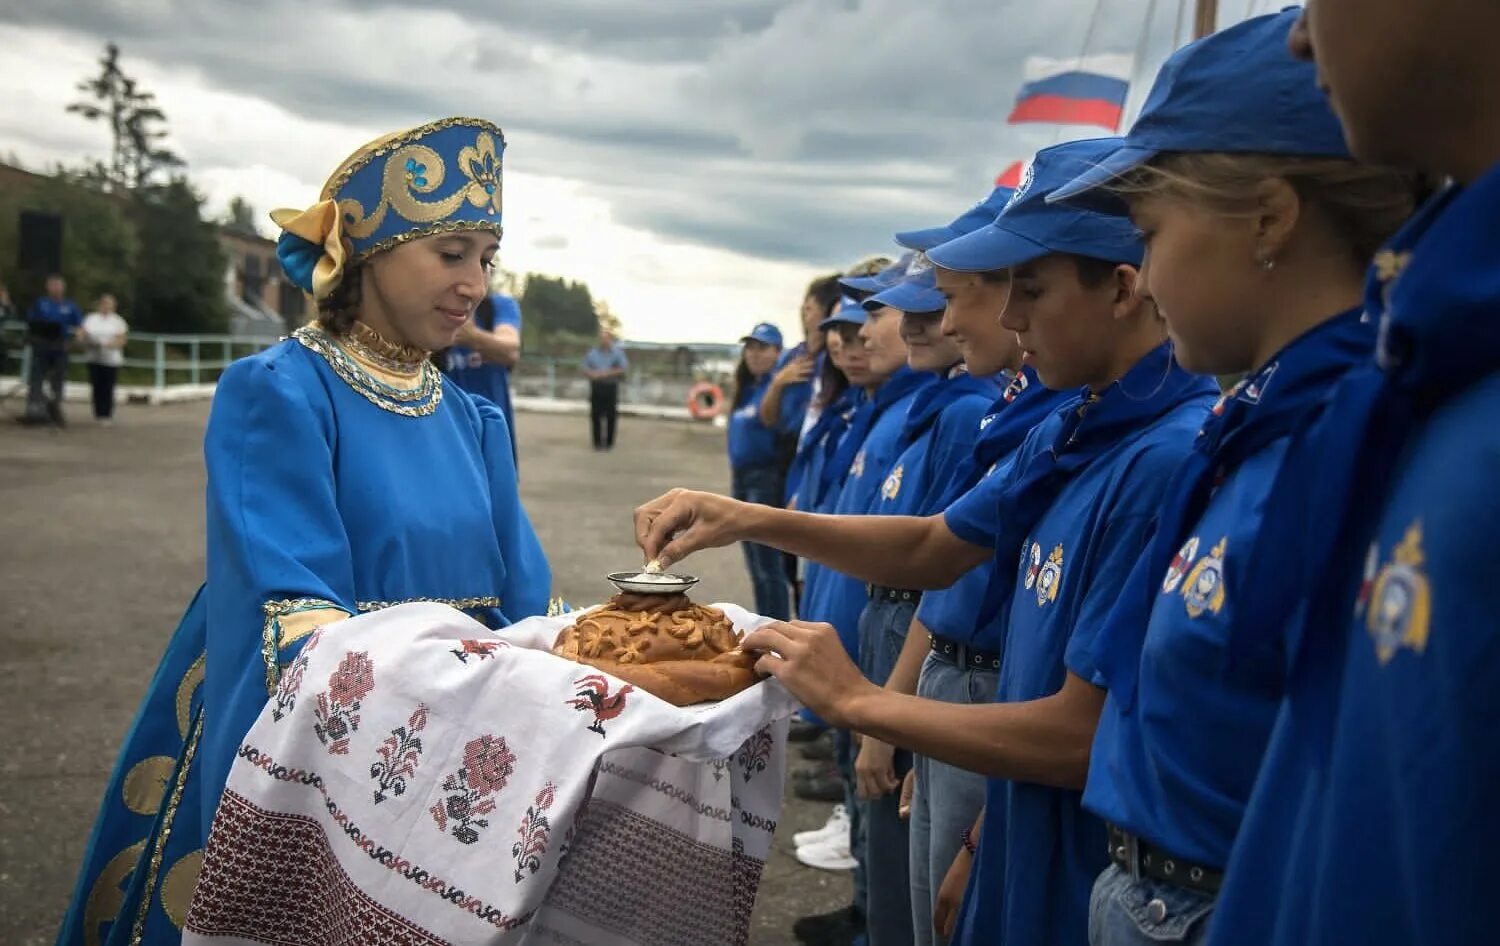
(892,486)
(1044,577)
(1180,564)
(857,468)
(1203,589)
(1395,599)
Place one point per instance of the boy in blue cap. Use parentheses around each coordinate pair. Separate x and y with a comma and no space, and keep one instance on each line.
(937,437)
(1258,226)
(1373,820)
(1064,525)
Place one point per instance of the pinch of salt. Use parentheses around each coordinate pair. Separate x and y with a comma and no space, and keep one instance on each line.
(652,567)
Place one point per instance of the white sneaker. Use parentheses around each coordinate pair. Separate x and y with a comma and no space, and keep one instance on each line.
(837,824)
(830,855)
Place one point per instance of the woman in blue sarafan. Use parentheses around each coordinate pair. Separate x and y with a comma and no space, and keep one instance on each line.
(344,476)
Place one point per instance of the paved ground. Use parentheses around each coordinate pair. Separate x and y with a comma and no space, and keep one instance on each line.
(103,544)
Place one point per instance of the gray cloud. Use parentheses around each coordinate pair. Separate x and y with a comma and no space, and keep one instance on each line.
(803,130)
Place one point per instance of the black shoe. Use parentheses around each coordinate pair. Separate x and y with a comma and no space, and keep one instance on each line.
(803,731)
(820,749)
(818,785)
(840,927)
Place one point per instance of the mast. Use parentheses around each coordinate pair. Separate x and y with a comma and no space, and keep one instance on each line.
(1207,18)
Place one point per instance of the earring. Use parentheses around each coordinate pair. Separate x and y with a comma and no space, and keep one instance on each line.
(1267,263)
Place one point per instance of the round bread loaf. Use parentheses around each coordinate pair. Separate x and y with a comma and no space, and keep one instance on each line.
(675,650)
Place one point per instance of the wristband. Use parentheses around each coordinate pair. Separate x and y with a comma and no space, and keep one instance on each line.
(968,839)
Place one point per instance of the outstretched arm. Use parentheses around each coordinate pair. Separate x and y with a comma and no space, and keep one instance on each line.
(895,551)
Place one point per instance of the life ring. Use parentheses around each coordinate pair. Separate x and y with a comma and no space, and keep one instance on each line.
(705,401)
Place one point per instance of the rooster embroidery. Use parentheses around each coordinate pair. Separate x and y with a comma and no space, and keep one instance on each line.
(594,697)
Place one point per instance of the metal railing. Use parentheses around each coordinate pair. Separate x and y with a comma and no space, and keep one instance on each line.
(162,360)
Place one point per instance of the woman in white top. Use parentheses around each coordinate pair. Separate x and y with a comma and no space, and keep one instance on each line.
(104,333)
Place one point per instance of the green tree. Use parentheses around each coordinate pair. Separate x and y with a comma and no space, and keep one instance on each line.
(241,217)
(559,305)
(135,126)
(180,274)
(99,244)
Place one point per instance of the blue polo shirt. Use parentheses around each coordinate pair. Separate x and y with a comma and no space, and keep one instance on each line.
(1040,852)
(939,434)
(794,397)
(816,452)
(486,379)
(751,443)
(60,312)
(954,612)
(839,599)
(1177,768)
(1374,820)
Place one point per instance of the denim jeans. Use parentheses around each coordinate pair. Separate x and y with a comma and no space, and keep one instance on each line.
(1145,912)
(767,566)
(947,799)
(882,632)
(843,753)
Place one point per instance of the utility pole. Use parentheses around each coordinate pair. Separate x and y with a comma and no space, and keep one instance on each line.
(1207,19)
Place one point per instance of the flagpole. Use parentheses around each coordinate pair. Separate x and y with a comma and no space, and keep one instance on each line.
(1207,19)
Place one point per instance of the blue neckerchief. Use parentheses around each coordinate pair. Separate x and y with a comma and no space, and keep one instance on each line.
(1271,404)
(824,436)
(930,402)
(1025,403)
(1435,292)
(1094,423)
(902,383)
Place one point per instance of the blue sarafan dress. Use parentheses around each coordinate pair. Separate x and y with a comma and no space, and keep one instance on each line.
(333,488)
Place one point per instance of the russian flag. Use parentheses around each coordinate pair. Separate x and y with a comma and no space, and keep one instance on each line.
(1088,90)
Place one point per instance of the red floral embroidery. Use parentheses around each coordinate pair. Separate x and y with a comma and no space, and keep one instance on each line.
(593,696)
(399,756)
(480,650)
(291,681)
(534,831)
(488,764)
(354,679)
(337,711)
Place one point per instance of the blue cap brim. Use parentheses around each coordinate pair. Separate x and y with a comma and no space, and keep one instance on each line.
(986,249)
(855,317)
(1088,191)
(922,240)
(861,283)
(908,297)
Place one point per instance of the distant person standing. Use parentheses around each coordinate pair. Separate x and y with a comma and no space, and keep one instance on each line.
(604,366)
(51,323)
(104,334)
(486,349)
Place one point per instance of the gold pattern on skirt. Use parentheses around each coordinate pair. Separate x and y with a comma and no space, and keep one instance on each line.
(185,691)
(145,784)
(107,897)
(177,886)
(164,833)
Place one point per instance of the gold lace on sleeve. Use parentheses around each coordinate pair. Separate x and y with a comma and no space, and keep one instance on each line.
(287,622)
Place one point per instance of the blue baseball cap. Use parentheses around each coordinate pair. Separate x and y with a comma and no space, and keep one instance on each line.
(884,279)
(967,222)
(847,312)
(1238,91)
(1029,227)
(766,333)
(916,292)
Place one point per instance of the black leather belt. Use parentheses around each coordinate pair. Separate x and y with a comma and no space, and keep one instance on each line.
(892,594)
(962,655)
(1142,859)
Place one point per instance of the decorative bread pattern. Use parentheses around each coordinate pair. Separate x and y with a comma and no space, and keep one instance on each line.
(681,652)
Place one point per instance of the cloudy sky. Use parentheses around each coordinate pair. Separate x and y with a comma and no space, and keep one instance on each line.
(695,161)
